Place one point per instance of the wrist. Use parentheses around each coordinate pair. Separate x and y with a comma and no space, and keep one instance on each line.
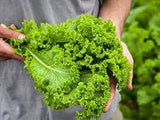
(119,27)
(117,22)
(116,11)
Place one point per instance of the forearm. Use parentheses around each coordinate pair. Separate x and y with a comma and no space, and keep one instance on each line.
(117,11)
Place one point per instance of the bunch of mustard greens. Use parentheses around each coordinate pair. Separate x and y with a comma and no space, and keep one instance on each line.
(71,62)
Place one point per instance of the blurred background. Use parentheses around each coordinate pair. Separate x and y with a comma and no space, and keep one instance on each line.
(142,35)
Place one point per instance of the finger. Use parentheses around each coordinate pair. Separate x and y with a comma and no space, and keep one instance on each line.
(130,59)
(7,33)
(112,92)
(127,53)
(17,57)
(5,47)
(3,54)
(7,51)
(3,58)
(12,26)
(129,86)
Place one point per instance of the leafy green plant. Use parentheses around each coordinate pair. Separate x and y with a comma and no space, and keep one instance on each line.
(71,62)
(142,35)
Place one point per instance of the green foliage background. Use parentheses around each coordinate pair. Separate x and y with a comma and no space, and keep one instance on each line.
(142,35)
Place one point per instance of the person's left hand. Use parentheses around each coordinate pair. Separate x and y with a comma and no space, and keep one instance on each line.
(113,82)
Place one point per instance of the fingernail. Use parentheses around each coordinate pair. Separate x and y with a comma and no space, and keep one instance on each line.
(3,25)
(21,36)
(12,26)
(130,87)
(107,107)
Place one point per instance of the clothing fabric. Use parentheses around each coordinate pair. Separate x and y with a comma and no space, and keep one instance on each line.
(18,98)
(51,11)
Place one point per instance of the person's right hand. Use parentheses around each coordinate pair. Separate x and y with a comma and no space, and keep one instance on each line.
(6,51)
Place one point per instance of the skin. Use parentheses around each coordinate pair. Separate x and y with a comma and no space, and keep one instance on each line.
(117,11)
(6,51)
(114,10)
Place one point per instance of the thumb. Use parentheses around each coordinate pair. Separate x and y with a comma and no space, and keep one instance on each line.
(112,92)
(7,33)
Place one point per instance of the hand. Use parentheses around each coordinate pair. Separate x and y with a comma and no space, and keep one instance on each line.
(117,11)
(113,82)
(6,51)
